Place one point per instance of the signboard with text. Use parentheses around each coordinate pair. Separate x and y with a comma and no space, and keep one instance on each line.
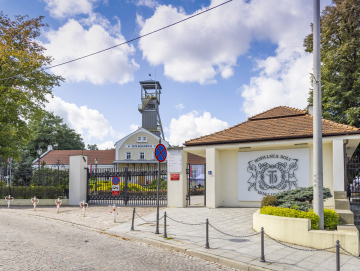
(174,177)
(262,173)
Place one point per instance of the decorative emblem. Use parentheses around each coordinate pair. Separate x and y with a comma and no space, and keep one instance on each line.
(267,176)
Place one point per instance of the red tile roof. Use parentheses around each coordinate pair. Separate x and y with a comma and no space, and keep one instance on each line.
(105,157)
(277,123)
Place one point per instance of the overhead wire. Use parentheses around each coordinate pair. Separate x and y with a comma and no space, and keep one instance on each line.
(112,47)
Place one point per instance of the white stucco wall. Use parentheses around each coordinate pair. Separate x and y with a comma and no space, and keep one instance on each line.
(222,160)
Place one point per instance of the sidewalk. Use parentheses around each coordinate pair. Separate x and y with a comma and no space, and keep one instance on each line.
(240,253)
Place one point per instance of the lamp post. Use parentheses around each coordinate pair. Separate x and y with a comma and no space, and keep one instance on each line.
(317,123)
(39,152)
(96,162)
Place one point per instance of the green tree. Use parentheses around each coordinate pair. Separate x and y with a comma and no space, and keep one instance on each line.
(93,147)
(51,130)
(24,83)
(340,69)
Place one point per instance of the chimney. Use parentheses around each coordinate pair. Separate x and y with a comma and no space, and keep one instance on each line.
(310,109)
(50,148)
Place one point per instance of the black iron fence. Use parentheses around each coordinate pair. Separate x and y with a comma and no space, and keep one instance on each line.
(44,183)
(135,186)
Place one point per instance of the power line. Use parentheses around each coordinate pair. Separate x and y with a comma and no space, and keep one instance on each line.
(112,47)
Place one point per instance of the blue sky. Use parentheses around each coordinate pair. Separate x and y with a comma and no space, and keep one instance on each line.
(216,69)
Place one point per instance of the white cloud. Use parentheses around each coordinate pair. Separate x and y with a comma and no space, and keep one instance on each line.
(283,79)
(64,8)
(193,125)
(90,123)
(147,3)
(180,107)
(133,127)
(106,145)
(72,41)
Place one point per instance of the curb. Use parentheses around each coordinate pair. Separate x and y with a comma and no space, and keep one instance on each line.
(191,252)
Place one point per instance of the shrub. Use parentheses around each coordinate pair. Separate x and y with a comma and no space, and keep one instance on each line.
(153,184)
(301,197)
(268,201)
(287,212)
(2,183)
(331,219)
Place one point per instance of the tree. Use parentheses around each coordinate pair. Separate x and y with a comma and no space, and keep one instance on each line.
(93,147)
(51,130)
(340,69)
(24,84)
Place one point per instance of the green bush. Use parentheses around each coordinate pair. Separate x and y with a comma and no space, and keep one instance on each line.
(301,197)
(268,201)
(28,192)
(331,219)
(2,183)
(286,212)
(153,184)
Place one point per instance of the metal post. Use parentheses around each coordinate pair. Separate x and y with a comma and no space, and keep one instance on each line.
(157,198)
(205,185)
(96,177)
(165,233)
(133,217)
(207,234)
(126,186)
(337,255)
(157,202)
(262,257)
(317,120)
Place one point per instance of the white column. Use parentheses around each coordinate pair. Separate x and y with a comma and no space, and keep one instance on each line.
(338,165)
(77,179)
(176,189)
(213,174)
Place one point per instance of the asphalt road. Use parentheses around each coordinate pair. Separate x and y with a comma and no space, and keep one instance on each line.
(28,242)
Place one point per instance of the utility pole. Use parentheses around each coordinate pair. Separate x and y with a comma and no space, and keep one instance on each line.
(317,123)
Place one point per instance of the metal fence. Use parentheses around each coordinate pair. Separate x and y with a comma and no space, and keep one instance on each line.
(44,183)
(137,186)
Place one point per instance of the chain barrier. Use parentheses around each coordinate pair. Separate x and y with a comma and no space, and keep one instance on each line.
(191,224)
(236,236)
(147,220)
(302,249)
(357,257)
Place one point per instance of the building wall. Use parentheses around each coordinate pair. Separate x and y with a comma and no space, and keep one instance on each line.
(151,140)
(223,183)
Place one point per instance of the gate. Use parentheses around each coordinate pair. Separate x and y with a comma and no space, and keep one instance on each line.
(137,186)
(196,185)
(353,186)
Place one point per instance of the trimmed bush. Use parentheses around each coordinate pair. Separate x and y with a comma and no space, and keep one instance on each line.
(331,219)
(268,201)
(287,212)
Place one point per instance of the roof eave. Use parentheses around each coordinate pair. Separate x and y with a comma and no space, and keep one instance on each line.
(265,139)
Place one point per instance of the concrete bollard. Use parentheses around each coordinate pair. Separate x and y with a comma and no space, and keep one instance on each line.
(58,203)
(35,202)
(112,210)
(8,199)
(83,206)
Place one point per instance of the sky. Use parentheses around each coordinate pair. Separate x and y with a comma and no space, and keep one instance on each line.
(216,69)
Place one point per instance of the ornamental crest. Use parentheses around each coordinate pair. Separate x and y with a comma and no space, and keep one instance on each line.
(269,174)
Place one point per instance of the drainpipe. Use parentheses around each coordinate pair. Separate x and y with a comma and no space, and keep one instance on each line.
(345,165)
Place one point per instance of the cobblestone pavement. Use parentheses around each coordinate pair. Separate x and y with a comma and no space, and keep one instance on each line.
(43,240)
(237,222)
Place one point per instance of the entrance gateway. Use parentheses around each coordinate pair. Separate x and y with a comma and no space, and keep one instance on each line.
(136,186)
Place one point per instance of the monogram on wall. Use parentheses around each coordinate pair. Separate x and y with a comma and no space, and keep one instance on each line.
(264,173)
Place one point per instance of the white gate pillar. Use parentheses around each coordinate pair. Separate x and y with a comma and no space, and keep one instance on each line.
(213,185)
(77,179)
(176,188)
(338,165)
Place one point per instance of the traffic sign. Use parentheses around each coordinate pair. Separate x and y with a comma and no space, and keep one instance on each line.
(115,180)
(160,153)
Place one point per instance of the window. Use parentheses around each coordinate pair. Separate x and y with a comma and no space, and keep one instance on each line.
(128,155)
(142,139)
(141,155)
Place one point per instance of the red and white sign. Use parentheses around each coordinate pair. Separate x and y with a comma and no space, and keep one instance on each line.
(116,190)
(116,193)
(174,177)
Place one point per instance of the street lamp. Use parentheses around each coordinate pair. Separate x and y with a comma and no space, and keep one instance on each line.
(96,162)
(39,152)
